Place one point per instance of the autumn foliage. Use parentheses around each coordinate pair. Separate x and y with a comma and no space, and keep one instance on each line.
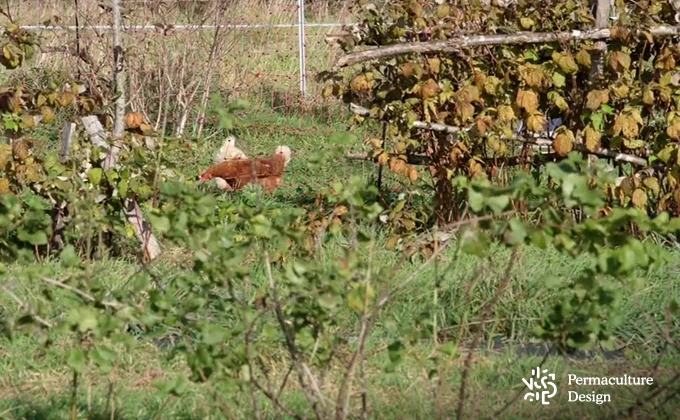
(624,99)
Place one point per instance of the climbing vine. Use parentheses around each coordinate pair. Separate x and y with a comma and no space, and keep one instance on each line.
(503,76)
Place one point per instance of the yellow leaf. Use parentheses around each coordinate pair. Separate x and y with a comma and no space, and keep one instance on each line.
(505,113)
(639,198)
(592,139)
(526,23)
(619,61)
(583,58)
(491,85)
(673,130)
(4,186)
(434,64)
(625,126)
(652,184)
(528,100)
(536,122)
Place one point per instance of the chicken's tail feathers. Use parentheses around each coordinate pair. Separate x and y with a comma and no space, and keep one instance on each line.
(229,143)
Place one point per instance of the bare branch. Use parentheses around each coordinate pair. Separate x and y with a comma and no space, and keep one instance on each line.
(86,296)
(539,141)
(42,321)
(310,387)
(453,45)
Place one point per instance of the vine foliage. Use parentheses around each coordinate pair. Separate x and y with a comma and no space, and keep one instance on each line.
(500,96)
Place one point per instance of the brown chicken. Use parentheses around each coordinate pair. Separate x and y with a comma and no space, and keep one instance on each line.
(233,175)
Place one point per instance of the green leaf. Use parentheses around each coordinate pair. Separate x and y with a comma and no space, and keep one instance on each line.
(94,175)
(76,360)
(328,301)
(559,80)
(33,238)
(69,257)
(87,320)
(214,335)
(160,223)
(597,119)
(498,203)
(517,232)
(474,242)
(103,357)
(450,349)
(395,352)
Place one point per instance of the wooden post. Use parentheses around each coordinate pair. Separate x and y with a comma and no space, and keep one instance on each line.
(133,212)
(602,14)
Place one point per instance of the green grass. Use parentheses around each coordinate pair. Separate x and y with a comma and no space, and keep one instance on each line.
(35,384)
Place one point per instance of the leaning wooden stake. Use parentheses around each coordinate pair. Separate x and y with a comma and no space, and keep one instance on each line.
(133,212)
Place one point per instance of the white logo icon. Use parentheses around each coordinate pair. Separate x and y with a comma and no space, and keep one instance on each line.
(537,382)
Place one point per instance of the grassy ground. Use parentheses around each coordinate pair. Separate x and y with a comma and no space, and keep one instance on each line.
(35,384)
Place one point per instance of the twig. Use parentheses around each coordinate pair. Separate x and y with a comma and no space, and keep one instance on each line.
(86,296)
(42,321)
(273,398)
(312,391)
(455,44)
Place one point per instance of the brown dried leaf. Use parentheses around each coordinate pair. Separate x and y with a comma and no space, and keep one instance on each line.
(534,76)
(665,60)
(429,89)
(375,143)
(595,98)
(383,158)
(5,155)
(465,111)
(480,79)
(469,93)
(621,90)
(619,61)
(47,114)
(66,98)
(412,173)
(134,119)
(564,143)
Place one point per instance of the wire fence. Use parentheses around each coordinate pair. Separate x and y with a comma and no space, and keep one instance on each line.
(302,25)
